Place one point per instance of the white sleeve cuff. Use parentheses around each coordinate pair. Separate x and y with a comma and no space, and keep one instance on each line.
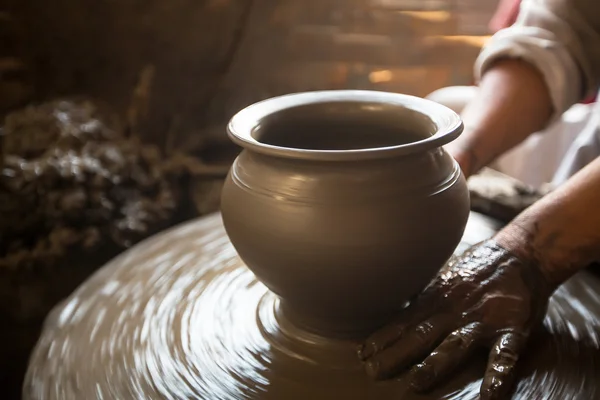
(537,47)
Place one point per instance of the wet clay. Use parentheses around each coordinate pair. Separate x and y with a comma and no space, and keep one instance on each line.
(334,197)
(179,316)
(486,298)
(501,196)
(341,126)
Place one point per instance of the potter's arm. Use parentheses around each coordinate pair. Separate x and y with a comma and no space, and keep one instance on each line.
(560,232)
(512,102)
(530,74)
(495,294)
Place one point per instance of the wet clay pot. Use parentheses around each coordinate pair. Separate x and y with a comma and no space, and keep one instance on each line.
(344,203)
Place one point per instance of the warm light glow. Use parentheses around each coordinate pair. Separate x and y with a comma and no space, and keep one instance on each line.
(410,4)
(478,41)
(431,16)
(384,75)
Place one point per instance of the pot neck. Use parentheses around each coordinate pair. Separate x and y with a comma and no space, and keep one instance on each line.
(344,125)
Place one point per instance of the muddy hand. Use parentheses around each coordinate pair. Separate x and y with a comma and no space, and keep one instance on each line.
(485,297)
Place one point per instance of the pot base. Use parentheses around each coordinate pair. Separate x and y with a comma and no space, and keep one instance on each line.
(180,317)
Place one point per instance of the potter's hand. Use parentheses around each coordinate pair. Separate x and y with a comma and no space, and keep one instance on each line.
(486,297)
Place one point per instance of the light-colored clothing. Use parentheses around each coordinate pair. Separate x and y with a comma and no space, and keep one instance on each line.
(561,38)
(584,149)
(550,156)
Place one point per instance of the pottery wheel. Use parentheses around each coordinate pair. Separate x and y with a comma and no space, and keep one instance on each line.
(180,317)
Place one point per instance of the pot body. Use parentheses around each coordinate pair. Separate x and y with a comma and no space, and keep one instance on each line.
(345,244)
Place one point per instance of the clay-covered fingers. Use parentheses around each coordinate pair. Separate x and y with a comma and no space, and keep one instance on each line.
(500,372)
(417,311)
(414,344)
(453,351)
(381,340)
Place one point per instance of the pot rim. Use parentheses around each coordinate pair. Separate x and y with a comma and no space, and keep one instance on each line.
(242,125)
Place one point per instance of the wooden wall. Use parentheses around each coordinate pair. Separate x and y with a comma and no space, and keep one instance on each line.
(213,57)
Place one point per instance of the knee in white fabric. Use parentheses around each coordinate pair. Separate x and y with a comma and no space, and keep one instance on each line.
(453,97)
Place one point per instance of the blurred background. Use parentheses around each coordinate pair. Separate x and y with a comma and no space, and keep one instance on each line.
(113,115)
(212,57)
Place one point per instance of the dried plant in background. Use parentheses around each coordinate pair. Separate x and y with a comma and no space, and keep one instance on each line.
(71,182)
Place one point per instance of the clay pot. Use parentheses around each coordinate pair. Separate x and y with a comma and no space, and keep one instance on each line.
(344,203)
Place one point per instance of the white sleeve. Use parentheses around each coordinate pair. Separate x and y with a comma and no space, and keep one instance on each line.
(561,38)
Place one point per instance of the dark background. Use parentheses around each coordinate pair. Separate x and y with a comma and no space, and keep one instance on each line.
(209,58)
